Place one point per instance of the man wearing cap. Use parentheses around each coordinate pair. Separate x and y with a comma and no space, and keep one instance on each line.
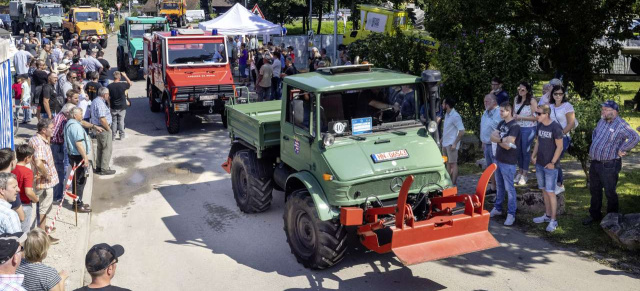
(11,252)
(612,139)
(9,220)
(101,262)
(94,45)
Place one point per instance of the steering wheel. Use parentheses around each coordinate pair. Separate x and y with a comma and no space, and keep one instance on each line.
(379,117)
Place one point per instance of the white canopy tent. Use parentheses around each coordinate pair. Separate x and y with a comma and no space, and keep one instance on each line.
(240,21)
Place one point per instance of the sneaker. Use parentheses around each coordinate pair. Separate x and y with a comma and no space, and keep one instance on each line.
(553,224)
(495,212)
(517,178)
(559,189)
(53,240)
(106,172)
(523,180)
(542,219)
(510,220)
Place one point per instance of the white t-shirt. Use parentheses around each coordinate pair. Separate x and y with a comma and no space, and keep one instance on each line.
(26,92)
(559,114)
(452,125)
(525,112)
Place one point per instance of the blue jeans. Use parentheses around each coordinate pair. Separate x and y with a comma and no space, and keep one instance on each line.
(546,178)
(275,88)
(566,141)
(61,161)
(504,182)
(488,154)
(524,148)
(242,69)
(104,82)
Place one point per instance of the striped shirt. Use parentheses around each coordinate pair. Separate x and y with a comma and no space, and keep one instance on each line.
(100,109)
(42,151)
(611,137)
(11,282)
(58,128)
(38,276)
(9,221)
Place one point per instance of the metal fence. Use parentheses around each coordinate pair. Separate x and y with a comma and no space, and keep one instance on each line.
(299,44)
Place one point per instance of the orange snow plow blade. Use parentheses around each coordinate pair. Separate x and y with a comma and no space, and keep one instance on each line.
(442,234)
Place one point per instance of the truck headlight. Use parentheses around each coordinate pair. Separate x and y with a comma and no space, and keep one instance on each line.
(328,139)
(433,126)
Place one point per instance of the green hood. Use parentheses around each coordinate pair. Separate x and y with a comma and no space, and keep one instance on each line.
(350,159)
(44,20)
(135,45)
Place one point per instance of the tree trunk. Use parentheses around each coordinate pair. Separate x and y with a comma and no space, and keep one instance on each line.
(304,24)
(354,16)
(319,18)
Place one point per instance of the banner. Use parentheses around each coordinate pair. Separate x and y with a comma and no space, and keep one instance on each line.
(6,100)
(375,22)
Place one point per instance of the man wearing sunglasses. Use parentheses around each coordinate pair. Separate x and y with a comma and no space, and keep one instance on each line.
(546,154)
(10,256)
(101,262)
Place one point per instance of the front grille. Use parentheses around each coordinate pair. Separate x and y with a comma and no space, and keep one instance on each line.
(208,89)
(383,186)
(88,32)
(140,55)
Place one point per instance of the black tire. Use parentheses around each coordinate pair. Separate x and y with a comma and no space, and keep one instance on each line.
(172,120)
(251,181)
(121,59)
(103,43)
(316,244)
(152,94)
(132,72)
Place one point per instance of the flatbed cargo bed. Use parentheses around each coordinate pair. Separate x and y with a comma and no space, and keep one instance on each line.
(256,124)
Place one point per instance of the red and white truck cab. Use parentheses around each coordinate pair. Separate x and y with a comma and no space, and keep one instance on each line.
(188,72)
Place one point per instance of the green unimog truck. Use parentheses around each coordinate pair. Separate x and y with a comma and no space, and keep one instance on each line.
(347,147)
(130,54)
(40,17)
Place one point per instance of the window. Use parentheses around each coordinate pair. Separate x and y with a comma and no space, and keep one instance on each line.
(139,29)
(300,108)
(87,16)
(50,11)
(170,6)
(196,53)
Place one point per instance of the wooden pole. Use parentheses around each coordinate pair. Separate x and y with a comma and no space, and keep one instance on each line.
(74,190)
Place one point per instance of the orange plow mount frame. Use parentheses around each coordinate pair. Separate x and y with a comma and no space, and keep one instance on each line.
(442,235)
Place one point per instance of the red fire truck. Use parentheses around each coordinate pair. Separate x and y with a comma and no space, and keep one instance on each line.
(188,72)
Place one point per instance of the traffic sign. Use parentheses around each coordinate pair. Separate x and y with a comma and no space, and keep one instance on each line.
(256,10)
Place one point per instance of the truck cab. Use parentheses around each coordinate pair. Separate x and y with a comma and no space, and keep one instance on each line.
(130,52)
(40,17)
(188,72)
(86,21)
(174,11)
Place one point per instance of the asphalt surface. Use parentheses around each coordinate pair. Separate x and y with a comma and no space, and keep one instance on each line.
(171,206)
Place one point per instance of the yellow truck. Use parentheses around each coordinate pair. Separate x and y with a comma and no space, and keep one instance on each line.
(175,11)
(376,19)
(86,21)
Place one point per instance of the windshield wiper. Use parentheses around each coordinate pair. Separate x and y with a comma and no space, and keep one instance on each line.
(358,138)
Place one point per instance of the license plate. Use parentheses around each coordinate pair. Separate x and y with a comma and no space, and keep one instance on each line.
(207,103)
(208,97)
(390,156)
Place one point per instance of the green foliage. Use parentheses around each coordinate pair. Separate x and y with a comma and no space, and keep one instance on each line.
(399,52)
(588,114)
(470,61)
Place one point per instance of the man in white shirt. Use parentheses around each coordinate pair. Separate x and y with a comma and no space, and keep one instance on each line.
(451,136)
(9,220)
(21,60)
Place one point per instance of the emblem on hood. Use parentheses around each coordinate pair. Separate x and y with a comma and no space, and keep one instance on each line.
(396,184)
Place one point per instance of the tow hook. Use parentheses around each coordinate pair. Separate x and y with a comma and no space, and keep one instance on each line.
(210,110)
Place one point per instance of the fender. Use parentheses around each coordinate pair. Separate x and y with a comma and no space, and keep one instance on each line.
(325,212)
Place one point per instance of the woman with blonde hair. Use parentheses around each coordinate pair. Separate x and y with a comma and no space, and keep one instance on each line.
(38,276)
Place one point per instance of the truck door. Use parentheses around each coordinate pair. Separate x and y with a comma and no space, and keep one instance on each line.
(296,136)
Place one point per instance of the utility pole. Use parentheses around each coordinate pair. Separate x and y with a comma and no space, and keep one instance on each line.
(335,32)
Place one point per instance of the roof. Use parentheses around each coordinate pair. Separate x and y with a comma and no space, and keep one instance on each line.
(222,3)
(322,82)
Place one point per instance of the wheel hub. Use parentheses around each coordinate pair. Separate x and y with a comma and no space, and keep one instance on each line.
(305,233)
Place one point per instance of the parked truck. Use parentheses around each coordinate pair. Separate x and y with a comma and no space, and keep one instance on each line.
(36,16)
(130,54)
(86,21)
(188,72)
(348,148)
(174,10)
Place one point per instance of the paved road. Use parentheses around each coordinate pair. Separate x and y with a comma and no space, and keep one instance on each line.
(171,206)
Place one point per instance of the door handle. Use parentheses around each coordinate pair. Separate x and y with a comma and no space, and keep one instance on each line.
(285,137)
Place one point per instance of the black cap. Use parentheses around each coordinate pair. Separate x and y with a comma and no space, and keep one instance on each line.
(611,104)
(100,256)
(9,244)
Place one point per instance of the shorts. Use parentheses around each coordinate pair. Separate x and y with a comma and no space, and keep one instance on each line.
(452,155)
(546,178)
(45,198)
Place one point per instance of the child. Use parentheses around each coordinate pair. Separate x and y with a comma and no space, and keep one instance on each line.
(24,175)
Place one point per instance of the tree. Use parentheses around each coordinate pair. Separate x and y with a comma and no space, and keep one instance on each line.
(281,11)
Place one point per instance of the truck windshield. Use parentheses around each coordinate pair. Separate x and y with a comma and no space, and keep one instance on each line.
(139,29)
(87,16)
(196,53)
(170,6)
(385,107)
(51,11)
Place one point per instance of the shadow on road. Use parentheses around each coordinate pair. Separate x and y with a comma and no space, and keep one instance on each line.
(205,217)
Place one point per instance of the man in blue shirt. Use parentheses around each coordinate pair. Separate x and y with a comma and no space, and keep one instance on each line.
(76,141)
(101,117)
(496,89)
(488,124)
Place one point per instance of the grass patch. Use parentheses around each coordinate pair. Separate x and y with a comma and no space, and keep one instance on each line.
(295,28)
(573,234)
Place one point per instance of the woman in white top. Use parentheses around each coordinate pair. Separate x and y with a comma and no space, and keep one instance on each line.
(525,106)
(563,113)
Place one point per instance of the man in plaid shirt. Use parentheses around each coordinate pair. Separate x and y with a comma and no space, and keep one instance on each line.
(611,140)
(45,175)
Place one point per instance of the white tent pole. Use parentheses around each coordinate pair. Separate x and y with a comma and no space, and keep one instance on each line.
(335,32)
